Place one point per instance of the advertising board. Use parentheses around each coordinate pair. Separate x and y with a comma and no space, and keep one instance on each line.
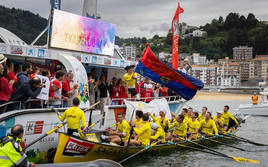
(74,32)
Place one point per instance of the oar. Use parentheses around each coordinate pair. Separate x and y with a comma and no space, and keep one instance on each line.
(237,159)
(215,141)
(133,155)
(132,128)
(245,140)
(44,135)
(93,105)
(234,127)
(88,130)
(194,148)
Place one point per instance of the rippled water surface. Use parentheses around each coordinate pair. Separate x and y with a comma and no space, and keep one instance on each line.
(255,128)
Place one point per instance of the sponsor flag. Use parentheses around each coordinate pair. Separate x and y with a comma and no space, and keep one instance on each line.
(175,38)
(151,67)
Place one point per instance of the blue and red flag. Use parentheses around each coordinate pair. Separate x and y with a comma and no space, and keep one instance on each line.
(151,67)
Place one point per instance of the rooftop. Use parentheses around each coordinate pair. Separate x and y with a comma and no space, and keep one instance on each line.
(260,59)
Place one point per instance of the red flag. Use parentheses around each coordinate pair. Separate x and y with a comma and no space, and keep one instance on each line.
(175,38)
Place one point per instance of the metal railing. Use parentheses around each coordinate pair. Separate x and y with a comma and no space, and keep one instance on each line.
(45,104)
(169,98)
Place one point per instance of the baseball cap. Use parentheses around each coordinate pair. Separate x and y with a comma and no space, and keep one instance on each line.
(129,67)
(2,58)
(164,111)
(154,125)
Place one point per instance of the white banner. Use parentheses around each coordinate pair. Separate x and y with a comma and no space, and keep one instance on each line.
(153,107)
(43,95)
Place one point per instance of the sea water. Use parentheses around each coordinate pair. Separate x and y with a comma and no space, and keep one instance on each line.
(255,128)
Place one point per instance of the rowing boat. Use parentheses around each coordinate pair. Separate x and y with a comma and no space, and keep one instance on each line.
(74,149)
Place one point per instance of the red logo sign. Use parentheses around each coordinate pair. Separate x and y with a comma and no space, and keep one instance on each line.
(38,128)
(34,127)
(77,147)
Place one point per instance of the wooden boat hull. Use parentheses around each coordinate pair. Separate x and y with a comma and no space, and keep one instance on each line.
(74,149)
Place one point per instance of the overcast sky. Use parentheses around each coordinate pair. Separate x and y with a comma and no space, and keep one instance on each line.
(149,17)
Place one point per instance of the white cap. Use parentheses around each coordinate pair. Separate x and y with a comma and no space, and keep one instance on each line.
(185,59)
(154,125)
(219,112)
(2,58)
(164,111)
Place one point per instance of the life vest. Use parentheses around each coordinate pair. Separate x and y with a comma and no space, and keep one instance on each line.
(255,99)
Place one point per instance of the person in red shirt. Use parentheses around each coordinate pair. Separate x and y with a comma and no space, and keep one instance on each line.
(146,90)
(12,75)
(55,94)
(122,91)
(164,91)
(5,88)
(67,91)
(36,71)
(113,90)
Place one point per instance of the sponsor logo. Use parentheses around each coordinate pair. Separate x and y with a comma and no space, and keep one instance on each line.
(31,52)
(107,61)
(76,147)
(16,50)
(111,151)
(3,49)
(164,79)
(34,127)
(94,59)
(41,53)
(122,63)
(47,140)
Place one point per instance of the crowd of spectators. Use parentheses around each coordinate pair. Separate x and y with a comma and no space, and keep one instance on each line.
(19,85)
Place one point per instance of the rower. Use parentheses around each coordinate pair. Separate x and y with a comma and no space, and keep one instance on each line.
(193,125)
(190,111)
(122,131)
(254,99)
(219,121)
(208,126)
(159,134)
(226,116)
(144,133)
(173,117)
(74,115)
(162,120)
(137,123)
(180,130)
(202,116)
(187,117)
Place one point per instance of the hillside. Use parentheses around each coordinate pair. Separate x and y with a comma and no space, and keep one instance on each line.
(24,24)
(223,36)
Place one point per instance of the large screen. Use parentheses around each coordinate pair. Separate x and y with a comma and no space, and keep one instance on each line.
(74,32)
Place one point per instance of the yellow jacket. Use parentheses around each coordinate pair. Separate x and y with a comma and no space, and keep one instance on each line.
(186,119)
(144,133)
(159,121)
(220,121)
(208,127)
(138,123)
(201,117)
(74,115)
(226,116)
(123,128)
(11,153)
(192,125)
(180,128)
(160,135)
(129,80)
